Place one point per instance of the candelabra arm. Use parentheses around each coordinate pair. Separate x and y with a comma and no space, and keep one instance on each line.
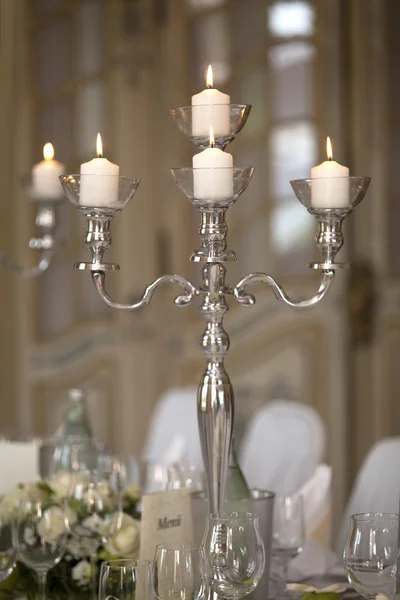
(326,280)
(24,272)
(99,281)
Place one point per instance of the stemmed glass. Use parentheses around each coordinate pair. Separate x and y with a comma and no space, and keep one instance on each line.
(97,514)
(125,579)
(289,535)
(7,549)
(179,572)
(234,553)
(370,554)
(40,538)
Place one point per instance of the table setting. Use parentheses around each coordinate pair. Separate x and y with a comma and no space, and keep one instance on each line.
(86,531)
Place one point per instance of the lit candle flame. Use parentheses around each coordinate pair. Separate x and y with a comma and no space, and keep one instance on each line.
(329,150)
(48,151)
(209,78)
(212,139)
(99,146)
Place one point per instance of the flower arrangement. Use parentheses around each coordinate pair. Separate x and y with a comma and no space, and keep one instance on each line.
(73,575)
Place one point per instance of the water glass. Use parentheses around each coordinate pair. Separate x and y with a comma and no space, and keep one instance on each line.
(97,514)
(234,553)
(125,579)
(40,538)
(7,549)
(288,537)
(370,554)
(179,572)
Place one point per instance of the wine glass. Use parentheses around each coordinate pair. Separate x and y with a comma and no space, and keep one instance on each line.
(234,553)
(185,476)
(7,548)
(370,554)
(179,572)
(289,535)
(125,579)
(40,538)
(97,514)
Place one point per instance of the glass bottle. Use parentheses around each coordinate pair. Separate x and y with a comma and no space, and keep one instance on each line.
(75,449)
(236,485)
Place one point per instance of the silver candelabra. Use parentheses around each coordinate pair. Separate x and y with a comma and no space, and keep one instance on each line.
(215,393)
(45,241)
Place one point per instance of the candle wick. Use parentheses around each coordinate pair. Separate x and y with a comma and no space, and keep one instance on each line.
(209,86)
(330,158)
(212,144)
(100,155)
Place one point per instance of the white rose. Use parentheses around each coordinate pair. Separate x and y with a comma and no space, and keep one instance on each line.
(82,572)
(95,524)
(10,503)
(126,541)
(62,483)
(52,524)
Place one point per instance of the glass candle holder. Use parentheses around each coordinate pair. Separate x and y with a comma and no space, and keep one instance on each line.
(183,117)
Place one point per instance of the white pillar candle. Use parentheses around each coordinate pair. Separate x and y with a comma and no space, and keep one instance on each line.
(212,174)
(99,181)
(211,108)
(45,176)
(330,186)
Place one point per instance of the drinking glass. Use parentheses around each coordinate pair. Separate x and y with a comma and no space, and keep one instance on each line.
(185,476)
(40,538)
(179,572)
(370,554)
(125,579)
(97,514)
(234,553)
(7,549)
(289,535)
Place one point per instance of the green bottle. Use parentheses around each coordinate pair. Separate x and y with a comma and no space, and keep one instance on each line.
(236,485)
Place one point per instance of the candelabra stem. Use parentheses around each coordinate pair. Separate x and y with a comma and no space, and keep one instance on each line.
(46,221)
(215,402)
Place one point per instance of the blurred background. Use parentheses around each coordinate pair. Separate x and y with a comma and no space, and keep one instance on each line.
(310,68)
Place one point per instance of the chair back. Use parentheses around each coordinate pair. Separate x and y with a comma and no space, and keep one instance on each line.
(282,447)
(377,485)
(173,433)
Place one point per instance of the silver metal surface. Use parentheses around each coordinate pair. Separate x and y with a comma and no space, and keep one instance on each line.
(99,281)
(245,299)
(215,400)
(45,242)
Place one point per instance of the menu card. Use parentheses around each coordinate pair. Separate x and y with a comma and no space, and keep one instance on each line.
(166,517)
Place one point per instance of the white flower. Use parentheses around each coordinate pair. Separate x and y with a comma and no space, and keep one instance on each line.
(52,524)
(62,483)
(83,546)
(29,536)
(126,541)
(95,524)
(9,504)
(81,573)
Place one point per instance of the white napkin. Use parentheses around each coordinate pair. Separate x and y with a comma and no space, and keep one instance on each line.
(19,463)
(316,496)
(315,559)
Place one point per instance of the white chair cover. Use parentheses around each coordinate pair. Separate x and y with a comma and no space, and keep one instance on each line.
(377,486)
(282,447)
(173,434)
